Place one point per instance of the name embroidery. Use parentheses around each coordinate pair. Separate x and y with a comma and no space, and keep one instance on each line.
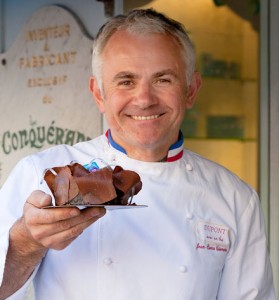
(212,237)
(209,247)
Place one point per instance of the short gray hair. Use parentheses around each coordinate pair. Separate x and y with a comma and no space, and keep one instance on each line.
(141,22)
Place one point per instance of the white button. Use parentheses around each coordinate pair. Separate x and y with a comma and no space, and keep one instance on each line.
(183,269)
(189,216)
(107,261)
(113,158)
(189,167)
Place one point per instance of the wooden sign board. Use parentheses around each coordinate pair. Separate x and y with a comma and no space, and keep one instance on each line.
(44,94)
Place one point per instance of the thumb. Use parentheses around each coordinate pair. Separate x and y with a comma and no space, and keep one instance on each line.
(39,199)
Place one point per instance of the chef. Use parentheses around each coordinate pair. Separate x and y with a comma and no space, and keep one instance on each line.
(197,231)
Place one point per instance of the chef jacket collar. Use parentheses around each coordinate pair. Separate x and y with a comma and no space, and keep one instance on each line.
(175,151)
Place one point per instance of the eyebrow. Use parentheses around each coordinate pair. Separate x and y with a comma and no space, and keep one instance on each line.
(125,75)
(165,72)
(131,75)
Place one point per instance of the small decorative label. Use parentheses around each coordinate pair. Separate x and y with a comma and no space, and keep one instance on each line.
(96,164)
(92,166)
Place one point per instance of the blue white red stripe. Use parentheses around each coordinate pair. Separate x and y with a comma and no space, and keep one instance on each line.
(175,152)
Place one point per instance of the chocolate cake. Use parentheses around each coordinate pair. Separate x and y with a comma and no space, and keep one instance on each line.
(75,185)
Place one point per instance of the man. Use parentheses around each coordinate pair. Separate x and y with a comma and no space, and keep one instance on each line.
(201,236)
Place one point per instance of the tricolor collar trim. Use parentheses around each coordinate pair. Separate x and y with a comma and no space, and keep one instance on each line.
(175,152)
(113,144)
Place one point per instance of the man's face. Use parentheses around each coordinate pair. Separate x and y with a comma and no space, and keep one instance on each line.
(145,92)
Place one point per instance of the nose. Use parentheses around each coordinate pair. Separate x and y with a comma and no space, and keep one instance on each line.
(145,96)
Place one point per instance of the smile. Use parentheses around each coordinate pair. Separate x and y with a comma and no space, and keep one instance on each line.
(143,118)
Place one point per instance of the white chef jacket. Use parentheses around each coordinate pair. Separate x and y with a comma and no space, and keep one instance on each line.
(200,238)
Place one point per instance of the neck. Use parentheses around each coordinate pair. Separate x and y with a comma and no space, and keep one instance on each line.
(148,155)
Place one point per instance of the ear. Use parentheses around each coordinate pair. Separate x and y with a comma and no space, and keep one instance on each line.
(97,94)
(193,90)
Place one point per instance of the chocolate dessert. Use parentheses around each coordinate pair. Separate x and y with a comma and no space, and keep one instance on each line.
(75,185)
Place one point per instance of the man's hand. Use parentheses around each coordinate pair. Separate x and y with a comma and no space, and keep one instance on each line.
(37,231)
(56,228)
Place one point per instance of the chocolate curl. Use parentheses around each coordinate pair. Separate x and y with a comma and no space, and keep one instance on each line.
(96,187)
(62,185)
(78,170)
(65,187)
(127,184)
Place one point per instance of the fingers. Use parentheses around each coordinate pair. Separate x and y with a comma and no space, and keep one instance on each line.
(60,234)
(62,239)
(58,220)
(56,228)
(39,199)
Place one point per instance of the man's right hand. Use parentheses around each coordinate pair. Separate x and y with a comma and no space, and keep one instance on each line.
(37,231)
(55,228)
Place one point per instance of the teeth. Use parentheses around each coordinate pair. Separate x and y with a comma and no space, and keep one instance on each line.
(143,118)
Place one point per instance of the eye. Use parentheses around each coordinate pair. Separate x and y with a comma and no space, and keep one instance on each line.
(163,81)
(125,82)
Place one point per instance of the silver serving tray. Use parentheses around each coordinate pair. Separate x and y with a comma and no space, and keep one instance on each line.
(108,207)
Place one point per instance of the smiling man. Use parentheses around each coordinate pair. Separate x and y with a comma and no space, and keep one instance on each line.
(144,94)
(202,235)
